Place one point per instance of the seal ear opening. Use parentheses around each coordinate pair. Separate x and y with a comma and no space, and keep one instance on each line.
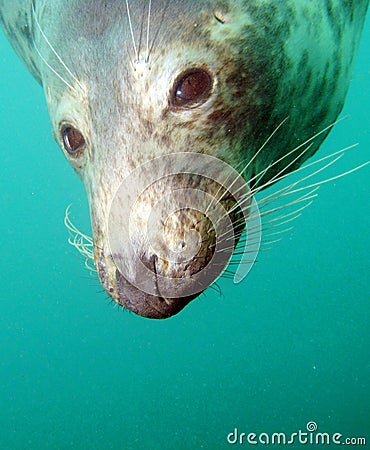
(219,16)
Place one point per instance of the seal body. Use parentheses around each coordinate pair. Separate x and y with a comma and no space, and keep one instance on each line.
(128,82)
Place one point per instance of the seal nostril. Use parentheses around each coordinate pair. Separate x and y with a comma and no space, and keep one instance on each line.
(153,261)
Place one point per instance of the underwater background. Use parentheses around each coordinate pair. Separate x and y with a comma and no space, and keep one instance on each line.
(289,345)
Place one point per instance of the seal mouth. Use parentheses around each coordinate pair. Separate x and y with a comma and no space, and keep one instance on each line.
(147,305)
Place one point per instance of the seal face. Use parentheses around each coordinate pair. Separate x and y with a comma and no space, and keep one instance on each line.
(158,105)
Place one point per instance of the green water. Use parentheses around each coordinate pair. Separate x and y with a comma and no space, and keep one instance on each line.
(289,345)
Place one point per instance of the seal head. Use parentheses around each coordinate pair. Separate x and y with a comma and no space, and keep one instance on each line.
(129,83)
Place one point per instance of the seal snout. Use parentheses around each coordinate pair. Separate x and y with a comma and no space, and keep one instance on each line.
(172,227)
(170,272)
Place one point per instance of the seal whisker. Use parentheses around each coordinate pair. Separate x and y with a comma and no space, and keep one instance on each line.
(227,275)
(287,190)
(142,33)
(308,197)
(53,70)
(336,177)
(267,231)
(273,223)
(306,166)
(286,230)
(289,217)
(277,177)
(238,262)
(247,199)
(264,144)
(83,243)
(279,221)
(296,213)
(157,33)
(55,53)
(269,225)
(148,32)
(247,165)
(132,31)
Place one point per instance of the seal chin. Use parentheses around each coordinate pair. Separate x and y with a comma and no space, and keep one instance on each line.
(147,305)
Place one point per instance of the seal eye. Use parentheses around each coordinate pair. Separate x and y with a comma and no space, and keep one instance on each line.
(191,88)
(72,139)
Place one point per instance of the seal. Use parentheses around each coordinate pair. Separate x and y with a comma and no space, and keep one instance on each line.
(151,100)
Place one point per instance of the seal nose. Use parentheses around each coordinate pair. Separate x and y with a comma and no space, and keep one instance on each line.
(147,305)
(156,300)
